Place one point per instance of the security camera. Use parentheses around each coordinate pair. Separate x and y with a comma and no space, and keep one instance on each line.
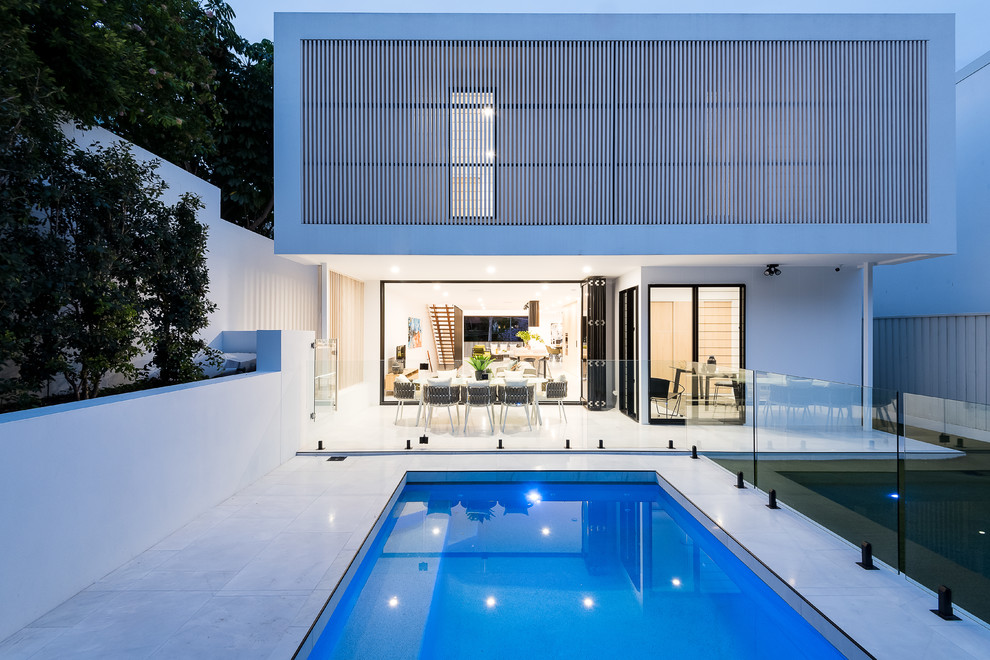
(837,269)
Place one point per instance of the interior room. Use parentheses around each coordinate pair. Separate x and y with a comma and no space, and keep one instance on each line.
(434,328)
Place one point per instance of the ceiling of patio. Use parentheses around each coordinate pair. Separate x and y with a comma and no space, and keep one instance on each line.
(561,268)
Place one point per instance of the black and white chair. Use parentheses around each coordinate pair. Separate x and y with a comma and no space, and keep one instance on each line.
(407,392)
(661,390)
(440,394)
(557,391)
(515,396)
(480,395)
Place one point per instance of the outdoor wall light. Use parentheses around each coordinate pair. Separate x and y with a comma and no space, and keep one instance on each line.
(771,270)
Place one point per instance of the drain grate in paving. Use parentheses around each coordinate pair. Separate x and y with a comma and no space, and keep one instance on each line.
(336,458)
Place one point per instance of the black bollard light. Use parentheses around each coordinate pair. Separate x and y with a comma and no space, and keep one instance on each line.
(670,444)
(945,604)
(424,439)
(739,480)
(567,443)
(500,443)
(867,560)
(694,451)
(319,445)
(773,500)
(601,444)
(408,444)
(943,437)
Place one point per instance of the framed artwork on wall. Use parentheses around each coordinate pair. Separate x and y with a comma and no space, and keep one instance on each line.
(415,333)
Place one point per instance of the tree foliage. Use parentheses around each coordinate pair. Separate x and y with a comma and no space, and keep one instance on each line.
(244,163)
(172,76)
(94,266)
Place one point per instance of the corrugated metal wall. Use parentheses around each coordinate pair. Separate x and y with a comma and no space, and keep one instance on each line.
(939,356)
(618,132)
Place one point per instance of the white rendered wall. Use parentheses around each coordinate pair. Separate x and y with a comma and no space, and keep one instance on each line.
(803,322)
(956,284)
(85,487)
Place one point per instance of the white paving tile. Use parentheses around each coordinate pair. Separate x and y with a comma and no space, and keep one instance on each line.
(246,579)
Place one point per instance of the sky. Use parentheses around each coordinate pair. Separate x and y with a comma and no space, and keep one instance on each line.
(255,17)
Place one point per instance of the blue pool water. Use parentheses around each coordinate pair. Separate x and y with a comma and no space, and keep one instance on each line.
(578,570)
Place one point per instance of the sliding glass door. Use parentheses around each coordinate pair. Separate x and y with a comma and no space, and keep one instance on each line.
(696,337)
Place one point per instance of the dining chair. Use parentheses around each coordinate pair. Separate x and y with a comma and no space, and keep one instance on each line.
(557,390)
(661,390)
(407,392)
(480,395)
(516,396)
(441,395)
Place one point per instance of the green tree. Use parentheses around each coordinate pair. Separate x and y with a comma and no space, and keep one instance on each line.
(31,147)
(171,76)
(176,284)
(101,225)
(244,162)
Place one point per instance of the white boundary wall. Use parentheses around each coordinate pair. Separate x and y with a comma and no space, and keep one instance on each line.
(85,487)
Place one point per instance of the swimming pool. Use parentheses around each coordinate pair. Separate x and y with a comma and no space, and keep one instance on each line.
(563,565)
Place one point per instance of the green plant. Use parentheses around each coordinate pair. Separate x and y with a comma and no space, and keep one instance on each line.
(480,362)
(526,335)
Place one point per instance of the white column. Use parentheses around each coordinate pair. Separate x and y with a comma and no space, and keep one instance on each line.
(867,325)
(324,287)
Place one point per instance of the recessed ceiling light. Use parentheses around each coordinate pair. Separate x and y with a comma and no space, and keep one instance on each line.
(546,531)
(395,269)
(589,603)
(393,601)
(586,269)
(445,294)
(676,582)
(490,269)
(546,286)
(436,287)
(490,601)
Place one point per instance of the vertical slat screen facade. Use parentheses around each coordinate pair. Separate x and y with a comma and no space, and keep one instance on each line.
(346,323)
(614,132)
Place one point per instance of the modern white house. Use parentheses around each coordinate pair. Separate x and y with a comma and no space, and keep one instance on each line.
(650,194)
(658,165)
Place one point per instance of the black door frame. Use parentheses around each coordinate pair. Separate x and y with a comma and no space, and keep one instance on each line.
(628,322)
(694,329)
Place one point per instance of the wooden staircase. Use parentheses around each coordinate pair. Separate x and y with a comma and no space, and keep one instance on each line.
(447,326)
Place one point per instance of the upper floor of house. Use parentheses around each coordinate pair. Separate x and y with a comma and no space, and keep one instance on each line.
(635,134)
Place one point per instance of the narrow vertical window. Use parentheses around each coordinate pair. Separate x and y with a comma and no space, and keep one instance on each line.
(472,154)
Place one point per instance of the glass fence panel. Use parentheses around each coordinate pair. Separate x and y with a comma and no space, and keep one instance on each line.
(816,450)
(946,499)
(325,377)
